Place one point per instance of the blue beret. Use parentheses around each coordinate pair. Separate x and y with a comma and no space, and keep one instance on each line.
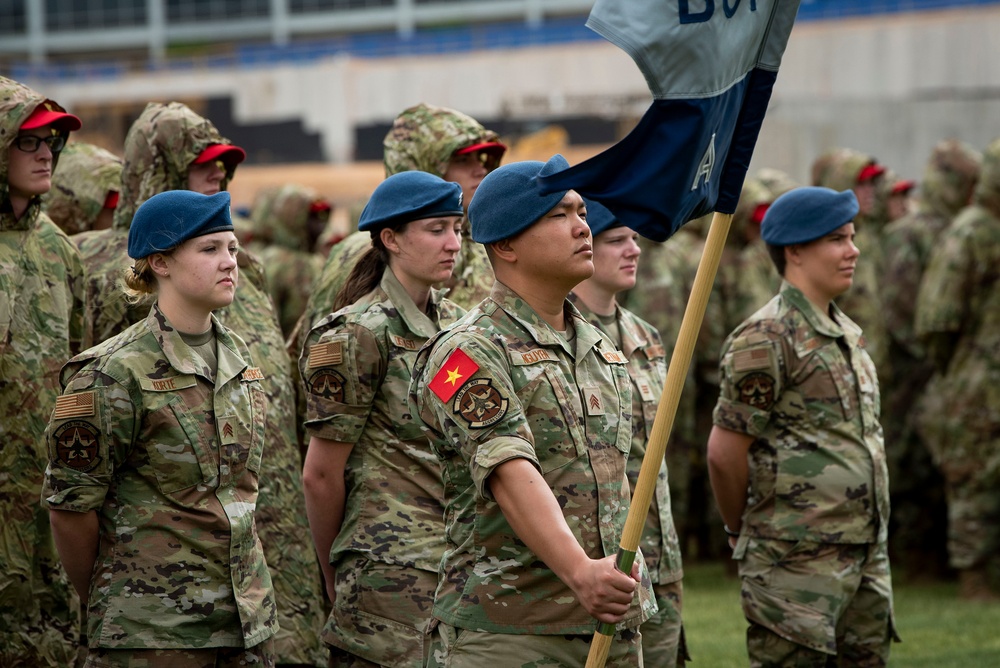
(168,219)
(508,201)
(805,214)
(407,196)
(599,217)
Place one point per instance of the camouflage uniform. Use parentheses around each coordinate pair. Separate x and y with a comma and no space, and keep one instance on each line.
(958,310)
(281,241)
(41,308)
(80,188)
(159,147)
(169,458)
(919,517)
(812,548)
(663,633)
(526,392)
(357,366)
(663,283)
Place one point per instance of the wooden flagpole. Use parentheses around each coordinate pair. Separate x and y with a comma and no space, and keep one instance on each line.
(656,448)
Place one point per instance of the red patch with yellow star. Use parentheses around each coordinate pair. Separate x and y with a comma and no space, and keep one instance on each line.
(453,374)
(757,390)
(77,445)
(480,404)
(328,384)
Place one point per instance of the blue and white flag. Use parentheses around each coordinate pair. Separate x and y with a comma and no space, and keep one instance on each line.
(711,66)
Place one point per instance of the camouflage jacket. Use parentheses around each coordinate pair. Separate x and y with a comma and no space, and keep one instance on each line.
(960,299)
(357,368)
(170,460)
(41,325)
(524,392)
(801,383)
(647,367)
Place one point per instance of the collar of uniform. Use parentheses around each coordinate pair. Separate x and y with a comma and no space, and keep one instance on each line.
(10,224)
(821,322)
(515,307)
(632,337)
(416,320)
(231,364)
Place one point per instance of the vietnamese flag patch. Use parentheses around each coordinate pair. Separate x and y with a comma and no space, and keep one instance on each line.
(453,374)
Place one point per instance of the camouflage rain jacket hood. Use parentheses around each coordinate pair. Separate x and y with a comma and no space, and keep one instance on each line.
(17,102)
(79,190)
(423,138)
(280,216)
(988,188)
(159,148)
(949,177)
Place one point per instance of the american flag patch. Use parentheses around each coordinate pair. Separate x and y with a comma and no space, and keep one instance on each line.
(326,354)
(748,360)
(74,405)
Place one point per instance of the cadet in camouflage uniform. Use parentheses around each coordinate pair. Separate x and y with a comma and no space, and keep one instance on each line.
(84,193)
(958,314)
(918,530)
(374,491)
(528,408)
(439,141)
(666,275)
(41,326)
(616,257)
(796,455)
(287,221)
(849,169)
(162,150)
(154,459)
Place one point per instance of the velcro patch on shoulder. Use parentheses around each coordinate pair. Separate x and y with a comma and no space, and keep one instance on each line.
(77,445)
(252,373)
(326,354)
(167,384)
(480,404)
(523,358)
(458,367)
(76,405)
(750,359)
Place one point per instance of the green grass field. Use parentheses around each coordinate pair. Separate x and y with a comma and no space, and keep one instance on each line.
(937,628)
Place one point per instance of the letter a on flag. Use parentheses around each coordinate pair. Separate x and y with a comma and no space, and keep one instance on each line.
(711,66)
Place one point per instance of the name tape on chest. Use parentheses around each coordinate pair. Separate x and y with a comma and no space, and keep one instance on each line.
(454,373)
(614,357)
(524,358)
(252,373)
(404,343)
(74,405)
(655,352)
(167,384)
(326,354)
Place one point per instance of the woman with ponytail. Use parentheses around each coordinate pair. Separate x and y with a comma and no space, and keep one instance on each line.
(374,493)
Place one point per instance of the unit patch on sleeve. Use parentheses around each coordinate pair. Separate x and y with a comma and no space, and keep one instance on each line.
(480,404)
(77,444)
(756,389)
(328,384)
(453,374)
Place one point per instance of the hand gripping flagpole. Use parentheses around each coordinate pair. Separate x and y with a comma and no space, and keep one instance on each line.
(656,448)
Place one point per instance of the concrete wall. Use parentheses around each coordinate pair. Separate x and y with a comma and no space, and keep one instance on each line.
(889,85)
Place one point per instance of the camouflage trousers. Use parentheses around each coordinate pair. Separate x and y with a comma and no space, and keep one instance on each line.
(816,604)
(258,656)
(462,648)
(663,634)
(382,613)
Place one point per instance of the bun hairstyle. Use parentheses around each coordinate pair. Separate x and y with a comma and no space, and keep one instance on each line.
(138,282)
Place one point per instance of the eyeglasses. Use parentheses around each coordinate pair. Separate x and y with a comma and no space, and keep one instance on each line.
(31,143)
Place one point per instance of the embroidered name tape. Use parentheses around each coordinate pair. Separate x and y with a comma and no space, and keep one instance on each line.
(406,344)
(253,373)
(167,384)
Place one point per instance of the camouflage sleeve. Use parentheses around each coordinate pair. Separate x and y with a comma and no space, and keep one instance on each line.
(946,287)
(75,277)
(466,394)
(342,369)
(90,432)
(751,382)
